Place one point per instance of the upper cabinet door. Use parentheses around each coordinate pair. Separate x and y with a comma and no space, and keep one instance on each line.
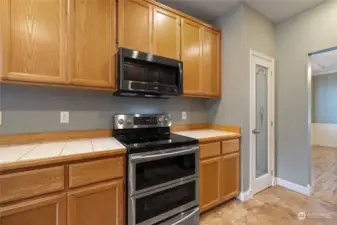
(135,25)
(166,33)
(211,63)
(34,40)
(93,43)
(191,55)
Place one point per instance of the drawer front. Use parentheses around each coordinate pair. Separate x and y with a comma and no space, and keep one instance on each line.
(96,171)
(230,146)
(31,183)
(210,150)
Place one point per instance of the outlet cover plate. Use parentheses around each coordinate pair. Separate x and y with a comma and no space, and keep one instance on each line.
(64,117)
(184,116)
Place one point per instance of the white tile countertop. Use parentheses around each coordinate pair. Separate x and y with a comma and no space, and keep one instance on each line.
(18,153)
(207,134)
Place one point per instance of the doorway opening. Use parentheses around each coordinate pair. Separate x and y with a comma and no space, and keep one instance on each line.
(262,150)
(322,80)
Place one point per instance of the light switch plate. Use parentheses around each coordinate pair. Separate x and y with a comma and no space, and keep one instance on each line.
(64,117)
(184,116)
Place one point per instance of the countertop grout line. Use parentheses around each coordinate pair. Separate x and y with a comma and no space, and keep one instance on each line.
(92,145)
(66,142)
(29,151)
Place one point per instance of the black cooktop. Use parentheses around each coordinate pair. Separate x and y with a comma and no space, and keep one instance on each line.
(145,139)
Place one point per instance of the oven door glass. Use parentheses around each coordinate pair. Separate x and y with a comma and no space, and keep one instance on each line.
(161,204)
(152,173)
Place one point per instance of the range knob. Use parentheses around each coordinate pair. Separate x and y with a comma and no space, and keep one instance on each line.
(167,119)
(121,121)
(160,120)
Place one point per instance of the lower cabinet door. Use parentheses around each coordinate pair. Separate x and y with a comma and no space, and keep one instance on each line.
(210,194)
(230,175)
(43,211)
(97,205)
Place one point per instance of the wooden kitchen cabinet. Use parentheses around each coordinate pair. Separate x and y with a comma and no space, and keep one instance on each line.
(34,40)
(201,56)
(135,25)
(191,55)
(144,27)
(230,174)
(219,173)
(80,191)
(166,33)
(210,193)
(93,40)
(211,48)
(101,204)
(42,211)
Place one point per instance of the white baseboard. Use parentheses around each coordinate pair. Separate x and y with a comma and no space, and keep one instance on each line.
(294,187)
(324,134)
(245,196)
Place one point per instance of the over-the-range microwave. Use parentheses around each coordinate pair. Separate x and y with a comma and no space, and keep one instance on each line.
(146,75)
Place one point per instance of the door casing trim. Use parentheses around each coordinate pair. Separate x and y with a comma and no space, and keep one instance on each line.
(271,118)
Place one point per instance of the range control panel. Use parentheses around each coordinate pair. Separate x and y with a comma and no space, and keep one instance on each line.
(122,121)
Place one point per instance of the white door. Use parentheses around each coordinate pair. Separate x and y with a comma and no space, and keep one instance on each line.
(262,117)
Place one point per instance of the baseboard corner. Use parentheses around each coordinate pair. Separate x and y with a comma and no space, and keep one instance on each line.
(305,190)
(245,196)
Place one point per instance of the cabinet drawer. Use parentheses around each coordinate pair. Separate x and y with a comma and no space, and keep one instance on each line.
(31,183)
(96,171)
(230,146)
(210,150)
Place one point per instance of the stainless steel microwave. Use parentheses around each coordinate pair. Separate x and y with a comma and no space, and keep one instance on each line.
(146,75)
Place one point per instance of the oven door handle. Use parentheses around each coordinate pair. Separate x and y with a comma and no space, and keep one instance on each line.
(186,218)
(144,158)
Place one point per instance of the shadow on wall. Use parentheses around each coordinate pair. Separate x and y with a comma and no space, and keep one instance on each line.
(36,109)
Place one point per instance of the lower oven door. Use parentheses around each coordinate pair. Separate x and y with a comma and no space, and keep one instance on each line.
(189,217)
(151,170)
(161,204)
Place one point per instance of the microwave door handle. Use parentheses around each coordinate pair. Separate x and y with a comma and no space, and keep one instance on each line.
(144,158)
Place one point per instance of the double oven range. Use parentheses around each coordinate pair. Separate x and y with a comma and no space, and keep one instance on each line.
(162,171)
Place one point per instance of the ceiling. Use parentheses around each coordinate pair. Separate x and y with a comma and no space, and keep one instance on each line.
(324,63)
(208,10)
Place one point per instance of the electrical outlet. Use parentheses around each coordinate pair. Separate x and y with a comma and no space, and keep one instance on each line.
(64,117)
(183,115)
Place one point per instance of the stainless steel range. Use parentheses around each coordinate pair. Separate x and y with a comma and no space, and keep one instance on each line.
(162,171)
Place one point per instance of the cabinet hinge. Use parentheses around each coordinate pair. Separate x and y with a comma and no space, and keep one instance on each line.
(271,123)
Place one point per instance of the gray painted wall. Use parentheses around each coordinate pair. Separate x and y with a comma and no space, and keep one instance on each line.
(36,109)
(310,31)
(242,29)
(324,98)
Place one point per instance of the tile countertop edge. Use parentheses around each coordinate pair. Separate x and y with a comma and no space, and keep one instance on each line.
(21,164)
(209,135)
(60,159)
(219,138)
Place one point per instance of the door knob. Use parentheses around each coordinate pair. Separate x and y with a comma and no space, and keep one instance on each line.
(256,131)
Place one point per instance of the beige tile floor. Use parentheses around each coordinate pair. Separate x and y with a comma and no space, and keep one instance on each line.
(279,206)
